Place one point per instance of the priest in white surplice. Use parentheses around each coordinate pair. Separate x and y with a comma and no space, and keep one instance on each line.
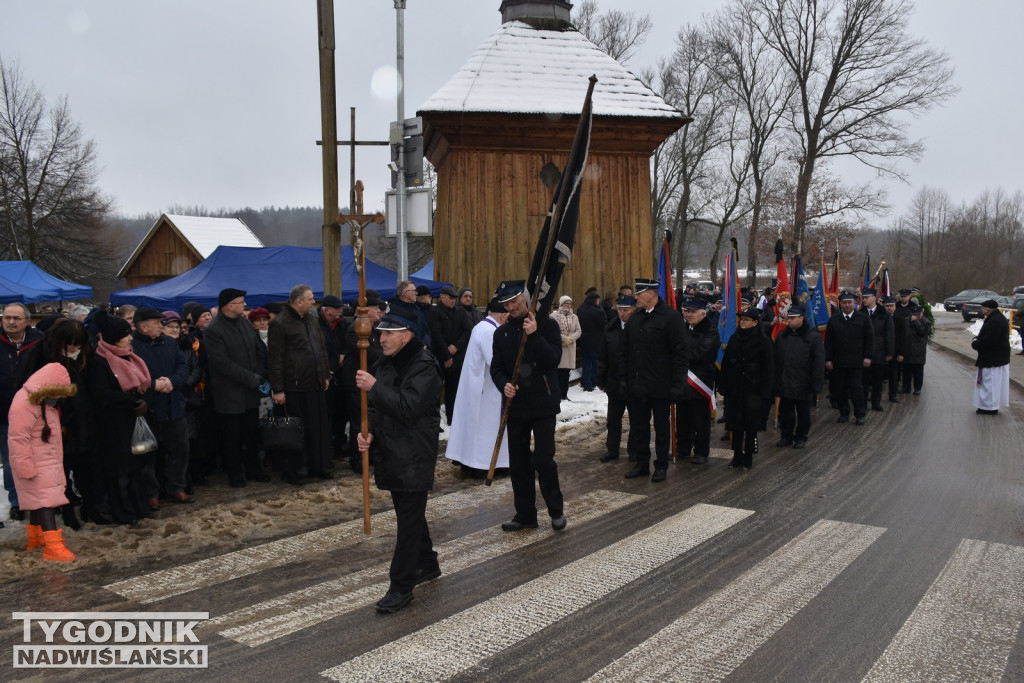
(992,388)
(477,412)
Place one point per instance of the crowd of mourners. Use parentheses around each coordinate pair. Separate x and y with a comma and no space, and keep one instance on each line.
(75,383)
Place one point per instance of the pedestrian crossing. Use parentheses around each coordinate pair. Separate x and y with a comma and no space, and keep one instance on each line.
(965,626)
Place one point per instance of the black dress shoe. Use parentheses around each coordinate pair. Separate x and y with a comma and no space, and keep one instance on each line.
(799,443)
(859,421)
(843,418)
(16,514)
(558,523)
(637,471)
(659,475)
(424,575)
(737,460)
(699,459)
(608,457)
(878,407)
(917,393)
(516,525)
(783,442)
(726,437)
(393,601)
(893,399)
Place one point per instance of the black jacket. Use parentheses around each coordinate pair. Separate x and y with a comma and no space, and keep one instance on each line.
(592,324)
(916,350)
(452,326)
(885,335)
(702,343)
(164,359)
(900,326)
(654,360)
(539,394)
(115,416)
(609,376)
(405,419)
(10,354)
(234,357)
(849,342)
(297,356)
(799,363)
(334,339)
(351,363)
(746,380)
(993,341)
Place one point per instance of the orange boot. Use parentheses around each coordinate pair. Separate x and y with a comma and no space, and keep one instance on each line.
(55,549)
(35,536)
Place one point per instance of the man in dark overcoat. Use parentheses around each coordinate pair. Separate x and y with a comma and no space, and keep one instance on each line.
(693,410)
(609,379)
(799,376)
(884,345)
(405,415)
(849,347)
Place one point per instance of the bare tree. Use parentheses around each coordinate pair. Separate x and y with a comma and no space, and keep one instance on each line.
(763,88)
(858,72)
(51,211)
(617,33)
(927,220)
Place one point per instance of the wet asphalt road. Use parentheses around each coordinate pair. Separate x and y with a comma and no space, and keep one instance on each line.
(900,506)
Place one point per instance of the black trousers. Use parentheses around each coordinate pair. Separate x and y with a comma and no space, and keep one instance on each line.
(616,408)
(311,406)
(172,439)
(846,385)
(913,373)
(240,445)
(524,465)
(693,427)
(337,408)
(563,381)
(875,374)
(641,410)
(451,387)
(413,548)
(794,418)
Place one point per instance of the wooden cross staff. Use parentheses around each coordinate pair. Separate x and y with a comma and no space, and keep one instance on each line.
(363,328)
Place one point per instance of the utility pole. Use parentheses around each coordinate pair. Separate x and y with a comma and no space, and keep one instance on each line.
(403,247)
(331,232)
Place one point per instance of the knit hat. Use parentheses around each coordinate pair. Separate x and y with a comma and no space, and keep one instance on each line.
(495,306)
(422,290)
(197,312)
(226,296)
(565,298)
(330,301)
(112,328)
(257,313)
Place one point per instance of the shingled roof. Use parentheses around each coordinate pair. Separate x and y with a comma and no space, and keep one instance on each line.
(522,69)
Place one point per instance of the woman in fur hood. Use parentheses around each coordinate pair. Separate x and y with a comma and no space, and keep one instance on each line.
(37,456)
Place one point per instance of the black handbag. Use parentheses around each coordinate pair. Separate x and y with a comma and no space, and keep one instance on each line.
(281,433)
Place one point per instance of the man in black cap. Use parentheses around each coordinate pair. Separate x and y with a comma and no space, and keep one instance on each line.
(653,368)
(884,345)
(375,308)
(992,390)
(404,397)
(693,412)
(235,366)
(299,376)
(916,350)
(849,346)
(609,378)
(333,327)
(166,400)
(535,401)
(799,376)
(592,324)
(450,337)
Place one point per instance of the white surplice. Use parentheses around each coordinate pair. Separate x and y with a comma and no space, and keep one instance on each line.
(992,389)
(477,405)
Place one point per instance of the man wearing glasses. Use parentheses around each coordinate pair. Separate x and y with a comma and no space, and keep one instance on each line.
(16,337)
(236,365)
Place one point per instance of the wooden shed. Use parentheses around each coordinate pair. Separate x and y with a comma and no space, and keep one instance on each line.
(499,133)
(176,244)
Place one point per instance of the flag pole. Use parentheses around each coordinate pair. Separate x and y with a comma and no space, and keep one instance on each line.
(554,221)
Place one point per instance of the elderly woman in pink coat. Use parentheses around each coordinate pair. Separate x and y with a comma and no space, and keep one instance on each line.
(37,456)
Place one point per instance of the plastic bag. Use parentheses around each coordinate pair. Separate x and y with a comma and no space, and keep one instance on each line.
(143,440)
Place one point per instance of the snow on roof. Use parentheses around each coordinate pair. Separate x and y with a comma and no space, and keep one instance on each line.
(206,234)
(202,233)
(525,70)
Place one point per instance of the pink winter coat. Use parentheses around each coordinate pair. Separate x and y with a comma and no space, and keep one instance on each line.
(37,465)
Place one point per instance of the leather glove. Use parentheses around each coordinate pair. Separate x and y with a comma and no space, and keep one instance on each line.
(140,408)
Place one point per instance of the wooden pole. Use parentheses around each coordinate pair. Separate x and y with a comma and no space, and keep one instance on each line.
(331,231)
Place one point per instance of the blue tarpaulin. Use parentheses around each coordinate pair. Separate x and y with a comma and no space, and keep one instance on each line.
(26,282)
(265,274)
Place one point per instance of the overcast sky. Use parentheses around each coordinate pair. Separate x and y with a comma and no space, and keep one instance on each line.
(216,103)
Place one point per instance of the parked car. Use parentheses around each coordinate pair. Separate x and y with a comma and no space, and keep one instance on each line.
(1018,293)
(972,309)
(955,303)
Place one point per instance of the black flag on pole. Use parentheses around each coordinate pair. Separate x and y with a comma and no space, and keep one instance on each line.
(554,247)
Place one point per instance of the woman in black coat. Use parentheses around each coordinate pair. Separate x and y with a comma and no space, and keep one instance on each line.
(746,383)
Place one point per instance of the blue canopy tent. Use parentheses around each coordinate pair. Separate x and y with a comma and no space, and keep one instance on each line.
(11,292)
(265,274)
(37,285)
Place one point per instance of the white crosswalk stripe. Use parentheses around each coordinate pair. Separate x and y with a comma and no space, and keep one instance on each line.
(710,641)
(214,570)
(966,624)
(272,619)
(460,642)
